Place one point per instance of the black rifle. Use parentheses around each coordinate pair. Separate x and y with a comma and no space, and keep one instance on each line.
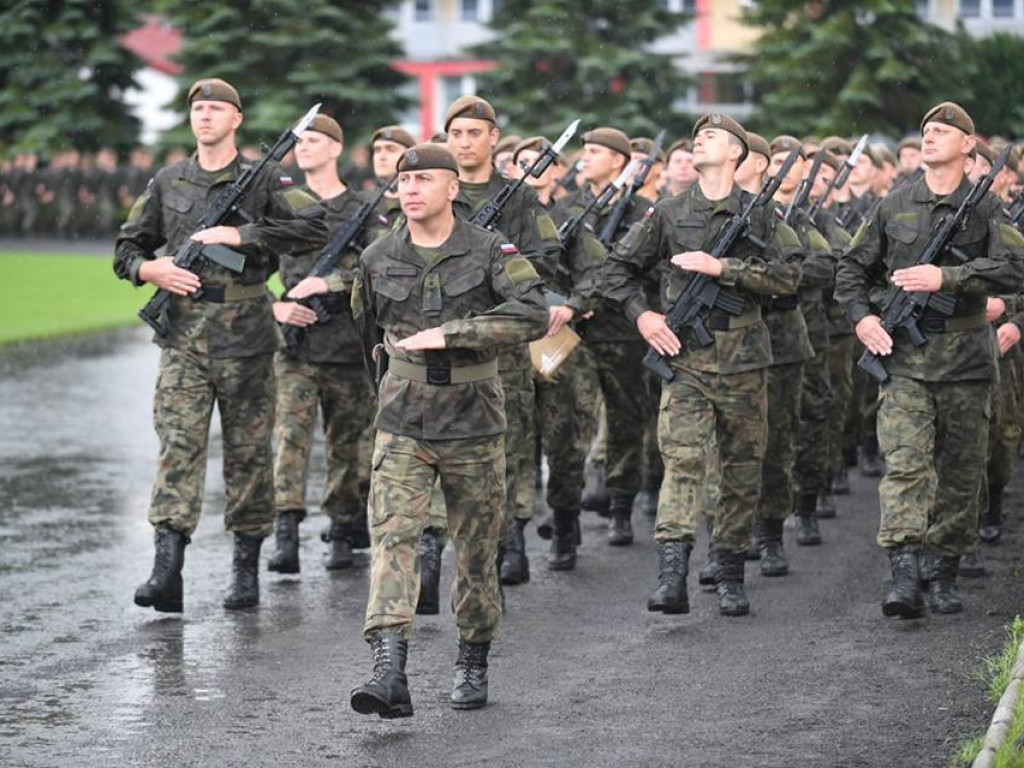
(703,293)
(611,226)
(192,255)
(839,180)
(1015,210)
(567,231)
(804,190)
(905,309)
(342,242)
(569,180)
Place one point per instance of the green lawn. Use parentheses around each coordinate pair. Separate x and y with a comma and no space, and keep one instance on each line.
(45,295)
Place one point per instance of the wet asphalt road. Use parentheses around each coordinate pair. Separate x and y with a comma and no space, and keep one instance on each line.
(582,676)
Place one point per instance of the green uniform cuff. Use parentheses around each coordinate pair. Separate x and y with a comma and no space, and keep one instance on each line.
(951,277)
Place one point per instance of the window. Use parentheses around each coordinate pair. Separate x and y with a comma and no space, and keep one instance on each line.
(470,10)
(970,9)
(922,9)
(424,10)
(1002,9)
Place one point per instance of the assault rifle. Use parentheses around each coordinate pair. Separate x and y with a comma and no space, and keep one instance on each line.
(839,180)
(621,208)
(567,231)
(804,190)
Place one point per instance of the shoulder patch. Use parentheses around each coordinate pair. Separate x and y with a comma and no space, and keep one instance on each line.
(509,249)
(547,227)
(595,250)
(862,232)
(787,236)
(816,240)
(140,203)
(1010,236)
(356,297)
(519,270)
(287,181)
(297,199)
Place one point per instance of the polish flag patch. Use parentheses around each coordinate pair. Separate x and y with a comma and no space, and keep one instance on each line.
(286,181)
(382,220)
(509,250)
(650,212)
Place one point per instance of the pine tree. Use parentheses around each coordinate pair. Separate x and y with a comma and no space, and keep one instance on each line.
(848,67)
(563,59)
(63,75)
(996,100)
(283,56)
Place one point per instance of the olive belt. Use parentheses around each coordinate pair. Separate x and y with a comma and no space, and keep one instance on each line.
(443,375)
(723,321)
(226,294)
(939,324)
(783,303)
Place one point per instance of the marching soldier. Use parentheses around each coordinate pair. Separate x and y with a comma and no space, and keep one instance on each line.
(388,144)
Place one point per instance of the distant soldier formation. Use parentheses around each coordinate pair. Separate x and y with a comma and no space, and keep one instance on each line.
(712,331)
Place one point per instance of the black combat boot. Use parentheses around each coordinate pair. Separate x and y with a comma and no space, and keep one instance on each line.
(927,563)
(386,693)
(360,532)
(971,565)
(826,503)
(515,568)
(673,567)
(469,690)
(769,544)
(992,520)
(841,482)
(339,556)
(546,527)
(431,545)
(286,558)
(870,462)
(620,532)
(732,600)
(244,591)
(807,532)
(595,494)
(164,591)
(942,589)
(562,556)
(708,574)
(903,598)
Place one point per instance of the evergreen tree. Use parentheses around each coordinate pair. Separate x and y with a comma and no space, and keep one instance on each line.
(848,66)
(996,98)
(63,75)
(563,59)
(283,56)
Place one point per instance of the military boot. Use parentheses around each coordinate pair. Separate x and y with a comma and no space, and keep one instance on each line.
(903,597)
(620,532)
(826,503)
(807,531)
(562,556)
(546,527)
(164,591)
(769,544)
(286,558)
(429,603)
(870,461)
(469,690)
(595,494)
(971,565)
(386,693)
(673,567)
(927,564)
(942,596)
(708,574)
(841,482)
(992,521)
(339,556)
(244,591)
(515,568)
(732,600)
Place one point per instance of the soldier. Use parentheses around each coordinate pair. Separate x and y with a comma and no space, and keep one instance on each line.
(440,295)
(933,411)
(679,169)
(388,145)
(219,347)
(324,373)
(717,395)
(908,154)
(642,147)
(503,154)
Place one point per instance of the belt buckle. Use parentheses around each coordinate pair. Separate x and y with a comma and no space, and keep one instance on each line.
(930,324)
(439,376)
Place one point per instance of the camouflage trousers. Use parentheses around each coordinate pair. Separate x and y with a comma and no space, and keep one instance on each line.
(626,401)
(653,469)
(712,429)
(559,426)
(187,388)
(840,373)
(471,473)
(586,398)
(934,437)
(1005,427)
(344,398)
(810,470)
(783,421)
(862,418)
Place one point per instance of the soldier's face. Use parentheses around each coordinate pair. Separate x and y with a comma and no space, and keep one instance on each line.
(213,121)
(978,168)
(712,148)
(941,144)
(680,168)
(910,159)
(385,158)
(825,175)
(601,164)
(751,169)
(316,150)
(472,142)
(795,175)
(502,162)
(424,195)
(863,171)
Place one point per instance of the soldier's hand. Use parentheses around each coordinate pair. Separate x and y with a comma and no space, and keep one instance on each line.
(656,333)
(558,317)
(873,336)
(924,277)
(432,338)
(1008,336)
(218,236)
(292,313)
(994,309)
(164,274)
(310,286)
(698,261)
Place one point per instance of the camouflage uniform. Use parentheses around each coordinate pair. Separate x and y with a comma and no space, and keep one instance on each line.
(718,393)
(482,295)
(933,413)
(218,350)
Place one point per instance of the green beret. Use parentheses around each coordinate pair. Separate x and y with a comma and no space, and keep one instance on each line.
(439,138)
(646,146)
(950,114)
(470,106)
(759,144)
(424,157)
(531,142)
(837,145)
(328,126)
(828,159)
(213,89)
(395,133)
(507,144)
(725,123)
(612,138)
(983,149)
(786,144)
(885,155)
(911,141)
(684,144)
(871,153)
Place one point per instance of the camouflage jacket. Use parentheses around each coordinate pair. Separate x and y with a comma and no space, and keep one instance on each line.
(384,217)
(817,276)
(283,219)
(578,268)
(480,292)
(690,222)
(839,240)
(894,238)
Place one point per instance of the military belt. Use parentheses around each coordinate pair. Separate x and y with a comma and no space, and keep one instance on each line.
(723,321)
(783,303)
(443,375)
(938,324)
(836,311)
(226,294)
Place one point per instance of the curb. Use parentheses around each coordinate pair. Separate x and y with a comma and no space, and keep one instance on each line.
(1003,717)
